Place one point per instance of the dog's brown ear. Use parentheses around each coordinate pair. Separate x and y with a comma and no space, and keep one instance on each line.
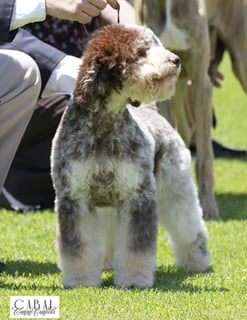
(108,78)
(98,80)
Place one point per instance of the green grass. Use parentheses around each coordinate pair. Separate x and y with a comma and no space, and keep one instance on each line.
(27,245)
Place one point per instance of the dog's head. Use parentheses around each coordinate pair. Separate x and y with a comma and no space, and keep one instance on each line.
(127,60)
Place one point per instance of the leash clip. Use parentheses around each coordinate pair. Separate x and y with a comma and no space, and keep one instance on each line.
(118,13)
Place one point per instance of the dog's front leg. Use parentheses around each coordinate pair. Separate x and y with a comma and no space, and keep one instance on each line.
(135,243)
(80,251)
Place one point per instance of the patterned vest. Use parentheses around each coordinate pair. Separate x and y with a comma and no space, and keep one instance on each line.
(67,36)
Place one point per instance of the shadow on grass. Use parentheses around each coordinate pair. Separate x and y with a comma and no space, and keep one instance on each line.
(232,206)
(30,287)
(30,270)
(169,280)
(172,279)
(26,267)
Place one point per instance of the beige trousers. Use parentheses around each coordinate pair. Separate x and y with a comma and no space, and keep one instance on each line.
(19,90)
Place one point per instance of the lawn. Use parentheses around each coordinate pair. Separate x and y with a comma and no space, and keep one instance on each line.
(27,245)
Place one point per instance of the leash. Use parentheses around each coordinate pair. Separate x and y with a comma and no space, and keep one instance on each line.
(85,30)
(118,13)
(142,11)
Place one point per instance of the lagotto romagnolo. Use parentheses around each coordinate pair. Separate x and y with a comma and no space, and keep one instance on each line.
(119,168)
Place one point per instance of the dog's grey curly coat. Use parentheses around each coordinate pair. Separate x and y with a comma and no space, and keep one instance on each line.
(115,166)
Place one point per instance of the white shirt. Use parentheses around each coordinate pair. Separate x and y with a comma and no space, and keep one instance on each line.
(27,11)
(63,77)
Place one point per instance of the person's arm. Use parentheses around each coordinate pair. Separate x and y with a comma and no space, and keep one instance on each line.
(81,11)
(63,77)
(58,71)
(46,56)
(16,13)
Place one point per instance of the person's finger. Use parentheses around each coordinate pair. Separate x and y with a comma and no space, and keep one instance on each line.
(101,4)
(82,17)
(113,3)
(90,9)
(217,84)
(219,75)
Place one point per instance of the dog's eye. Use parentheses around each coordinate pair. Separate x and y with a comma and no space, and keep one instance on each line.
(141,52)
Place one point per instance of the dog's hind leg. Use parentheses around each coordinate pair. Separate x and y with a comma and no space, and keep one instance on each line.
(79,245)
(180,212)
(135,244)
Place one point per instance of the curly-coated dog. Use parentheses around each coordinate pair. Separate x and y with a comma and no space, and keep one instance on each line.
(117,168)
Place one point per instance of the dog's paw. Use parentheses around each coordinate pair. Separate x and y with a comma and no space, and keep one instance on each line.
(127,280)
(73,282)
(196,256)
(196,265)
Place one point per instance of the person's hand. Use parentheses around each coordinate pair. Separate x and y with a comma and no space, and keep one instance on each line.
(215,75)
(78,10)
(217,79)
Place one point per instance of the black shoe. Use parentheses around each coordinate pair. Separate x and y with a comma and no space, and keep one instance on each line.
(222,151)
(2,266)
(8,201)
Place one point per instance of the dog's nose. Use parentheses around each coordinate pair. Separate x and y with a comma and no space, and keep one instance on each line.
(174,59)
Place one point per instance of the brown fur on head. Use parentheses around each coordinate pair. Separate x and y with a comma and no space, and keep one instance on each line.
(118,53)
(104,61)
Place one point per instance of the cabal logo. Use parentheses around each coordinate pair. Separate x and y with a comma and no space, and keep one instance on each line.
(41,307)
